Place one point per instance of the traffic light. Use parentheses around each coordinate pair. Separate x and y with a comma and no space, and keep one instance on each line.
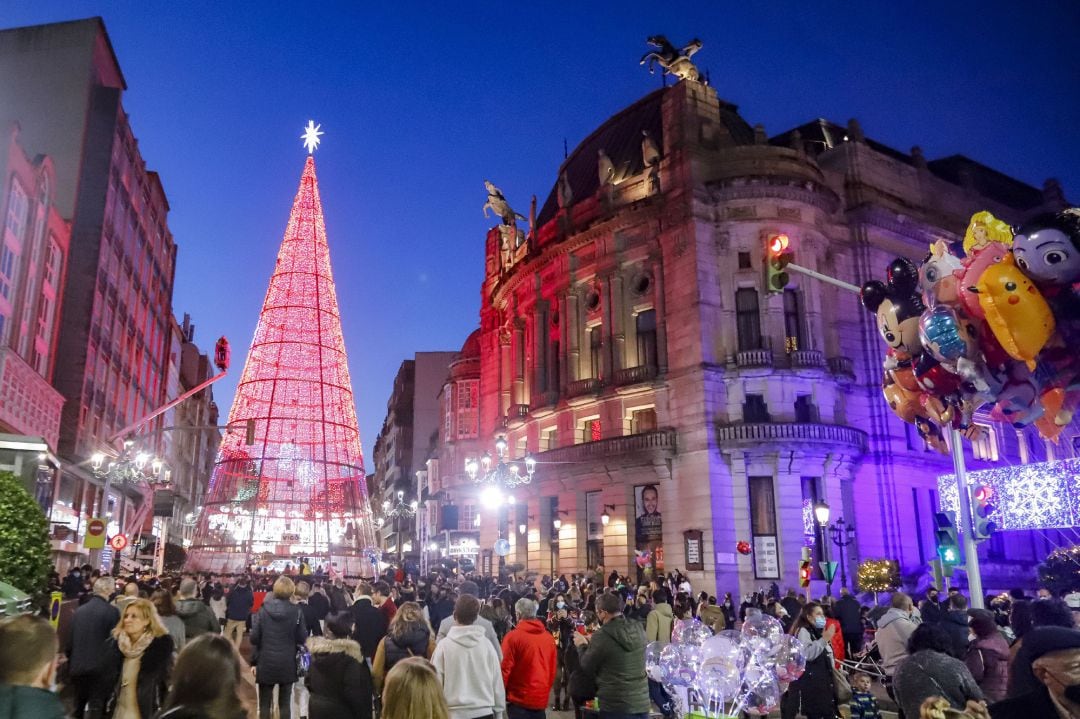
(948,545)
(777,257)
(804,573)
(981,509)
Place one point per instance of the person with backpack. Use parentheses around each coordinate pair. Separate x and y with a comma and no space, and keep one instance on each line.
(408,636)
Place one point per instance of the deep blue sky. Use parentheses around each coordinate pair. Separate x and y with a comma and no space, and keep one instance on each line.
(421,102)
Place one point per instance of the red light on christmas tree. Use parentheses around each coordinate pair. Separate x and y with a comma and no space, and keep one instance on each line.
(298,491)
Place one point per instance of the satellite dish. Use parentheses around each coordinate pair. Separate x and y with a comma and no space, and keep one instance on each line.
(502,547)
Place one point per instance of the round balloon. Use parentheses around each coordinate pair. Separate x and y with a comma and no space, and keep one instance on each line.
(652,661)
(696,634)
(789,659)
(677,630)
(765,697)
(762,633)
(719,679)
(670,660)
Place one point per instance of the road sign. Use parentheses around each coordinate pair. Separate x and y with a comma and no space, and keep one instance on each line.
(828,569)
(95,534)
(502,547)
(118,542)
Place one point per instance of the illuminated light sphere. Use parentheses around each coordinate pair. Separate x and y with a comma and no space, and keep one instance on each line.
(305,468)
(491,497)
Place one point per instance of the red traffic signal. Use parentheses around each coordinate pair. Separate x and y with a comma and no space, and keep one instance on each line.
(983,493)
(804,573)
(778,243)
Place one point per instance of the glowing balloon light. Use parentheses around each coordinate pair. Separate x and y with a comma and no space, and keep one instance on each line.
(306,463)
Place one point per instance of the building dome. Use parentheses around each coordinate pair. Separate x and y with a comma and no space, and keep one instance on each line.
(471,348)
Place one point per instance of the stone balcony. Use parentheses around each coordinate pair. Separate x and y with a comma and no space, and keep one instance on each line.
(28,403)
(843,367)
(544,400)
(663,441)
(806,359)
(753,358)
(589,385)
(517,414)
(741,434)
(635,375)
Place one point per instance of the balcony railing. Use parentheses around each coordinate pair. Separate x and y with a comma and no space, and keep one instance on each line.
(518,411)
(842,366)
(754,358)
(807,358)
(544,399)
(635,375)
(583,386)
(661,440)
(742,433)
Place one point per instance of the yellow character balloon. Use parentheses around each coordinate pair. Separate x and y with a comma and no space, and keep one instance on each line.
(1015,309)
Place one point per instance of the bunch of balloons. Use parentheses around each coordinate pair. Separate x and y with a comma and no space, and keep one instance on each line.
(996,322)
(725,674)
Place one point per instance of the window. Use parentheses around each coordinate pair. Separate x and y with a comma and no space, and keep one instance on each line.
(589,430)
(467,409)
(805,409)
(17,209)
(811,493)
(596,342)
(3,324)
(448,406)
(7,271)
(467,517)
(549,438)
(762,506)
(744,261)
(643,420)
(52,264)
(646,338)
(986,447)
(747,319)
(755,409)
(793,338)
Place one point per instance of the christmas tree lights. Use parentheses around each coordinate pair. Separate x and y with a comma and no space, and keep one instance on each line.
(878,575)
(299,490)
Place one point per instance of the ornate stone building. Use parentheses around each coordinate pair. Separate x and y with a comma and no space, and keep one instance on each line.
(674,407)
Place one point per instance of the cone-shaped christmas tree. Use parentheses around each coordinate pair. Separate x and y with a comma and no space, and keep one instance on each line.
(289,478)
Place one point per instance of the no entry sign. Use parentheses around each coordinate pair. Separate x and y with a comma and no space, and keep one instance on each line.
(95,534)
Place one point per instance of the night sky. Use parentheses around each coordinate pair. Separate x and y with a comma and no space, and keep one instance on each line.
(420,105)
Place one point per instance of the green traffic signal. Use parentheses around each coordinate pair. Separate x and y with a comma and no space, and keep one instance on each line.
(948,544)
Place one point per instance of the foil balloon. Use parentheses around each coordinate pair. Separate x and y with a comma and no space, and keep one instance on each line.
(1047,249)
(904,403)
(652,661)
(742,547)
(898,305)
(983,231)
(1017,313)
(943,335)
(974,268)
(1050,424)
(939,276)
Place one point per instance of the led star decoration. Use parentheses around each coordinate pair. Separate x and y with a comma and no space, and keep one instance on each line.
(1044,495)
(311,136)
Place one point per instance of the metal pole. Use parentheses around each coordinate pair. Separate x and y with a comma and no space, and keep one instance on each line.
(104,512)
(963,498)
(824,278)
(827,552)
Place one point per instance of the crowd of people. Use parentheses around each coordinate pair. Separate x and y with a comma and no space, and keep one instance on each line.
(449,646)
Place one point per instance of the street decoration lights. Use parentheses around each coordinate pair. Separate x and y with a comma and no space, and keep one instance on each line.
(504,473)
(397,511)
(129,467)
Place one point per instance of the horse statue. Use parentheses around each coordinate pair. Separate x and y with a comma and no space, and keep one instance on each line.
(674,62)
(496,202)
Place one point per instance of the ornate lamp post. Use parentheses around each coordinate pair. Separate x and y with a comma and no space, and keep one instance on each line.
(821,514)
(504,473)
(129,467)
(398,511)
(843,535)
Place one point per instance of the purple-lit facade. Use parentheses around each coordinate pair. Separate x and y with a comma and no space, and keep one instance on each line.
(627,342)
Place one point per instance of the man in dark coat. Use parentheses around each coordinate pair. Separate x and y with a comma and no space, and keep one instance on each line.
(370,623)
(791,604)
(441,607)
(197,617)
(237,609)
(930,609)
(615,658)
(27,669)
(848,611)
(1048,659)
(955,622)
(319,601)
(90,628)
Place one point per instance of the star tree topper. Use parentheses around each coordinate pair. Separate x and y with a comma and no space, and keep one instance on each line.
(311,136)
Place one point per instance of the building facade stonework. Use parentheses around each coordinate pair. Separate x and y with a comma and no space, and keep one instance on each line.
(628,344)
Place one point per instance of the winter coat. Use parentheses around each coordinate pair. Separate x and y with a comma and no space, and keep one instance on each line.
(812,694)
(91,627)
(152,682)
(320,604)
(489,632)
(239,602)
(615,657)
(369,626)
(848,611)
(24,702)
(470,673)
(311,618)
(711,616)
(277,629)
(1026,706)
(893,632)
(837,639)
(928,673)
(440,610)
(339,682)
(528,664)
(659,623)
(956,624)
(415,642)
(175,625)
(197,617)
(988,661)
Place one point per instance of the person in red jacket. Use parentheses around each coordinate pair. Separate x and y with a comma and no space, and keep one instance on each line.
(528,664)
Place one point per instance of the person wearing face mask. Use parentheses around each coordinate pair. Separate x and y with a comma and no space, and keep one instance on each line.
(1050,659)
(28,669)
(987,655)
(812,695)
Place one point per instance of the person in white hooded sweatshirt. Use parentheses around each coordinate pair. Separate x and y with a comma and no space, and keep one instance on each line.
(469,667)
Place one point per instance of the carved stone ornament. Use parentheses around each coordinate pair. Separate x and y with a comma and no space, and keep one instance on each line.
(496,202)
(564,195)
(605,169)
(674,62)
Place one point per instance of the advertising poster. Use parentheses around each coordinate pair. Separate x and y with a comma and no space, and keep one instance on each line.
(648,529)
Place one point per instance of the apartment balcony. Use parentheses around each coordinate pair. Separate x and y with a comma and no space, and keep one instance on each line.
(589,385)
(635,375)
(28,403)
(807,359)
(517,414)
(842,367)
(544,401)
(661,441)
(743,434)
(748,359)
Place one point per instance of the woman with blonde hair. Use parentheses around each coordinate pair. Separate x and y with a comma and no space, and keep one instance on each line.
(983,230)
(136,662)
(277,629)
(413,690)
(407,636)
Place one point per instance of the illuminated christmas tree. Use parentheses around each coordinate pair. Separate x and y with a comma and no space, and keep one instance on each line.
(289,478)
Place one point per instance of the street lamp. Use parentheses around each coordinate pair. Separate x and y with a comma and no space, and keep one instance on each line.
(499,471)
(605,517)
(821,514)
(398,511)
(843,534)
